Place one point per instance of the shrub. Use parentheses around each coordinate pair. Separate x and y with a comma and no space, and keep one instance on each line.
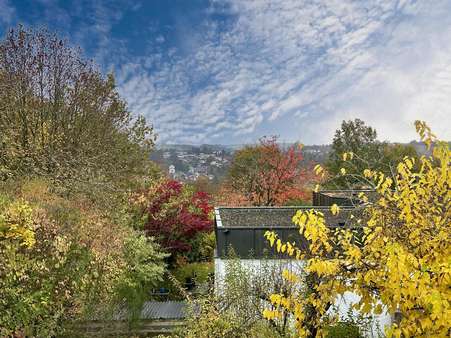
(175,216)
(63,259)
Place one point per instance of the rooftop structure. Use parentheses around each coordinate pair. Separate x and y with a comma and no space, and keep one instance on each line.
(341,197)
(242,228)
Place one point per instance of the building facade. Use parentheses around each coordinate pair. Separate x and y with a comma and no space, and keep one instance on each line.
(240,233)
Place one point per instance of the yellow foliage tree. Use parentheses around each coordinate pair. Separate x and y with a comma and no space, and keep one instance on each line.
(16,223)
(396,255)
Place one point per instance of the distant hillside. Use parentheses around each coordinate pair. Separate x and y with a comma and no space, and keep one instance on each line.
(188,162)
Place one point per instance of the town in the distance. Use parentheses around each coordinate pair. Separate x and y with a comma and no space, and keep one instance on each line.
(190,162)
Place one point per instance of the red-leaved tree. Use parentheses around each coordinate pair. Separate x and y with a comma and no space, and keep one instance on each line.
(174,214)
(265,173)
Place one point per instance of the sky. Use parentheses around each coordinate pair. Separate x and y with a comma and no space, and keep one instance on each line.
(232,71)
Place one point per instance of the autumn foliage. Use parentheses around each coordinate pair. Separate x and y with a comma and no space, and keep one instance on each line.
(266,174)
(394,254)
(174,214)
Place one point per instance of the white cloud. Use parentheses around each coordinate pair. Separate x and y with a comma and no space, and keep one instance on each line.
(275,66)
(386,62)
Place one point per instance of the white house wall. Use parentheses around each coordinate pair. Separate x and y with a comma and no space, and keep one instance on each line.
(253,266)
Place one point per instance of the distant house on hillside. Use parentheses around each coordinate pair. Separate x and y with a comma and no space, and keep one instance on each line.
(171,170)
(242,229)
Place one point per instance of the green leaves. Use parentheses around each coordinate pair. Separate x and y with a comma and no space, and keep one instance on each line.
(62,119)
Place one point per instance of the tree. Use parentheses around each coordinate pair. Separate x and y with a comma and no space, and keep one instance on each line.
(394,253)
(204,184)
(263,173)
(62,119)
(69,150)
(395,153)
(175,215)
(360,140)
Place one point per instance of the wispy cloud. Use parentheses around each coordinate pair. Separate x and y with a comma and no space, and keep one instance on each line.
(383,61)
(245,68)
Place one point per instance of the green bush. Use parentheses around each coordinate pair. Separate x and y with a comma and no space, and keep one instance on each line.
(199,272)
(202,247)
(143,270)
(344,329)
(64,259)
(41,279)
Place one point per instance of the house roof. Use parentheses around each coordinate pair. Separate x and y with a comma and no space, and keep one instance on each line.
(242,229)
(271,217)
(342,197)
(164,310)
(158,311)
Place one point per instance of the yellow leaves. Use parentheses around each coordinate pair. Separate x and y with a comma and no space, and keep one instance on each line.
(362,196)
(289,276)
(347,155)
(399,259)
(281,247)
(425,133)
(381,179)
(316,188)
(425,323)
(334,209)
(319,170)
(290,249)
(405,167)
(323,267)
(313,227)
(343,171)
(401,169)
(367,173)
(271,314)
(270,237)
(394,332)
(278,244)
(280,300)
(378,309)
(354,253)
(16,223)
(409,161)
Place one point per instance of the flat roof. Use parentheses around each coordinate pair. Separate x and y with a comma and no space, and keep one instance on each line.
(270,217)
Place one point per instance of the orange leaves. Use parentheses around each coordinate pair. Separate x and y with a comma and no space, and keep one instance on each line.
(265,173)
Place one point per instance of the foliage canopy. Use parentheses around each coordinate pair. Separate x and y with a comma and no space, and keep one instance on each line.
(265,174)
(62,119)
(395,254)
(360,142)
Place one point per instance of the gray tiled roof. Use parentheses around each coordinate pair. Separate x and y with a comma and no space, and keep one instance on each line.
(271,216)
(157,310)
(342,197)
(164,310)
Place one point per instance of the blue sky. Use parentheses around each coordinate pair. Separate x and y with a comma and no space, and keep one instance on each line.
(231,71)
